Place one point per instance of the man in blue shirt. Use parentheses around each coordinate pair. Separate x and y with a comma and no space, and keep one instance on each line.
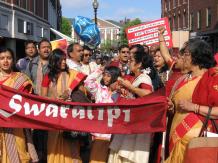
(31,52)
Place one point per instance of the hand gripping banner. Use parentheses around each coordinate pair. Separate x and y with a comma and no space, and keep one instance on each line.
(22,110)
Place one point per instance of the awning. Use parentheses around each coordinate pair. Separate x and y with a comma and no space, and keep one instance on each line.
(69,40)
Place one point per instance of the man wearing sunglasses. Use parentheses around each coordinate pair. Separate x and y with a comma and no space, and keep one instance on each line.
(123,63)
(87,66)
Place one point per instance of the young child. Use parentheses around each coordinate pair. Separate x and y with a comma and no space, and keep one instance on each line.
(103,92)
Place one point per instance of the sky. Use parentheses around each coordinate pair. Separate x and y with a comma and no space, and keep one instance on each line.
(117,10)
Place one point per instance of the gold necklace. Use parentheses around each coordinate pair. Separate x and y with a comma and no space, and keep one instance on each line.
(4,75)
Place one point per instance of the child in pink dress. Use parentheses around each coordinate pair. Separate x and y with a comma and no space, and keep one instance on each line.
(103,92)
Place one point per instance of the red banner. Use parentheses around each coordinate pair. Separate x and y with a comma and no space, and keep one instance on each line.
(147,33)
(22,110)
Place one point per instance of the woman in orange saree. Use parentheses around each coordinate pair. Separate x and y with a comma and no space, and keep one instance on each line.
(186,124)
(13,142)
(58,84)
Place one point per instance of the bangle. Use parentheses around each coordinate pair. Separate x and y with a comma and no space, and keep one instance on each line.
(196,108)
(199,109)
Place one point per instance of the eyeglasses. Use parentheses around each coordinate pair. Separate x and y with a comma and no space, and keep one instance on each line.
(125,52)
(86,55)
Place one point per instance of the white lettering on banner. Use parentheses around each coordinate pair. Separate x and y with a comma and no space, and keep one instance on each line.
(112,116)
(100,114)
(127,115)
(79,112)
(34,108)
(52,109)
(64,108)
(89,113)
(139,28)
(13,105)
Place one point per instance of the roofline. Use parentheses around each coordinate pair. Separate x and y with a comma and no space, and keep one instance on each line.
(109,22)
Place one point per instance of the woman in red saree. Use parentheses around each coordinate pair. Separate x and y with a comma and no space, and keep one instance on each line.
(186,124)
(13,142)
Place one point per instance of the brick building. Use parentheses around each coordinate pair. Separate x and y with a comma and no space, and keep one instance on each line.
(199,17)
(204,21)
(177,12)
(27,19)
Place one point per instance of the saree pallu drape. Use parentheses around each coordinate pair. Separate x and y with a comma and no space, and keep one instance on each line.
(60,149)
(20,82)
(185,125)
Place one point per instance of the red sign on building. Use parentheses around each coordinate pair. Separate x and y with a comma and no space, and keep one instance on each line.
(147,33)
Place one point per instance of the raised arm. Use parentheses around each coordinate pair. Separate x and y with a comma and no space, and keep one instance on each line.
(163,47)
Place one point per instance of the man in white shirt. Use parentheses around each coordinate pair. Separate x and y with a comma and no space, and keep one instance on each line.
(87,66)
(74,52)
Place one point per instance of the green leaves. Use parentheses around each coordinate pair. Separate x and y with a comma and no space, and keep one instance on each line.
(66,27)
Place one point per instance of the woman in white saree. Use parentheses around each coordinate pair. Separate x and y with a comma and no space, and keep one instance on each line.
(135,148)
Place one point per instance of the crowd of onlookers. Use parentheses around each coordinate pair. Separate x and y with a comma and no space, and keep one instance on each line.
(189,76)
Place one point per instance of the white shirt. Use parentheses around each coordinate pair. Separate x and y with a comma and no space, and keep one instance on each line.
(89,68)
(73,65)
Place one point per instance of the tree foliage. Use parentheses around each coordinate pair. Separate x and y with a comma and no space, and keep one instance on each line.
(109,45)
(123,37)
(66,27)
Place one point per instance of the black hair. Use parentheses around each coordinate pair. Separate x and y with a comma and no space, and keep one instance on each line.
(165,67)
(115,73)
(106,60)
(85,47)
(123,46)
(54,64)
(147,48)
(43,40)
(3,50)
(70,48)
(139,48)
(147,62)
(201,53)
(29,42)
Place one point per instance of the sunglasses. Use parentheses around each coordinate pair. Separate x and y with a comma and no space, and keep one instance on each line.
(125,52)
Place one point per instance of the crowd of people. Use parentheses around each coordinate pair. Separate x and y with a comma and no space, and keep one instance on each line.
(190,79)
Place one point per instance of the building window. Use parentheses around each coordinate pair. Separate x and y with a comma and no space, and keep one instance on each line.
(20,23)
(208,17)
(199,19)
(217,11)
(165,5)
(169,5)
(174,22)
(174,3)
(4,22)
(178,2)
(191,21)
(18,2)
(178,21)
(25,27)
(108,31)
(171,24)
(183,20)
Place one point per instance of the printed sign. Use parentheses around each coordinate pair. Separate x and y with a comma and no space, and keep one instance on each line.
(147,33)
